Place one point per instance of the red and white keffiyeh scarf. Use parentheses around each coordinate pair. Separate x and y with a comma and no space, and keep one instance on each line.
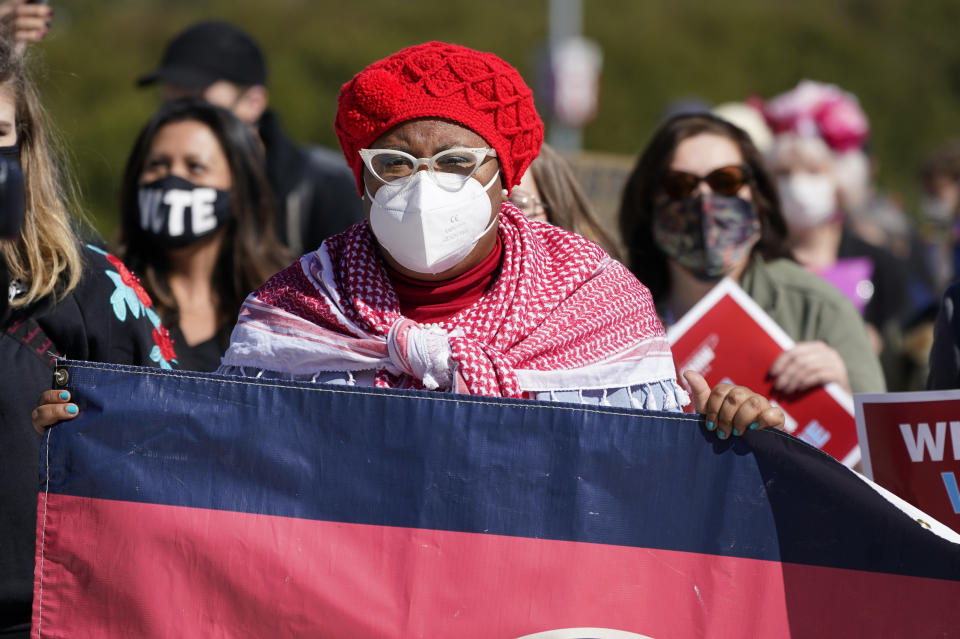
(561,315)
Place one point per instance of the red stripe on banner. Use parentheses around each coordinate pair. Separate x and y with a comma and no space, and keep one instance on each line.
(110,568)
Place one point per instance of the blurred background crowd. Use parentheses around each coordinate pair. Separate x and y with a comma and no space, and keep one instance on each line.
(864,94)
(809,150)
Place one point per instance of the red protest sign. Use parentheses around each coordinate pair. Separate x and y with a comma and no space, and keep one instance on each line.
(727,337)
(911,447)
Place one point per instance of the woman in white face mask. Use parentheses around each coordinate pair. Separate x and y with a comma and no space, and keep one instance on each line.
(812,206)
(449,286)
(821,134)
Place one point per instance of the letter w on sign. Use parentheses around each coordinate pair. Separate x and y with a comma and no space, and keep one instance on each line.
(924,441)
(192,505)
(911,446)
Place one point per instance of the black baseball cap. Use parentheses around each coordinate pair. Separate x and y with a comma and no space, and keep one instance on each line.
(206,52)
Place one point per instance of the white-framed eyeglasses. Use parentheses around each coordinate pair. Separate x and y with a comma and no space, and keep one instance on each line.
(396,167)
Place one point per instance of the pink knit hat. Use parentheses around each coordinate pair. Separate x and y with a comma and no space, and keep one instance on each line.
(437,80)
(821,110)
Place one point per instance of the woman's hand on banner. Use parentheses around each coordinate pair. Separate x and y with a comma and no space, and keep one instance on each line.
(806,365)
(732,410)
(53,406)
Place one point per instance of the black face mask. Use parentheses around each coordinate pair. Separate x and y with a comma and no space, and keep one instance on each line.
(178,213)
(12,192)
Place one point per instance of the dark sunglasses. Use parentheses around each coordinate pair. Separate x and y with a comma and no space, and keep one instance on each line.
(727,180)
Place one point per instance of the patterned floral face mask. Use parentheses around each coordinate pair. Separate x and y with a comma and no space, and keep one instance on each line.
(706,234)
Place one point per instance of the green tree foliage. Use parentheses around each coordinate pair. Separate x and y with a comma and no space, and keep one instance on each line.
(902,58)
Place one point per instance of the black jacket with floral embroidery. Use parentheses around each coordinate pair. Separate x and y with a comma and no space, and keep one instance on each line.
(107,318)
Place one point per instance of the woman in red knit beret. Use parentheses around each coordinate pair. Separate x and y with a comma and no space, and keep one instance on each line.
(447,285)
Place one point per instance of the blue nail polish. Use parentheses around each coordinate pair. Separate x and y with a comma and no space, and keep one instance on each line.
(710,426)
(72,409)
(721,434)
(64,395)
(754,426)
(736,433)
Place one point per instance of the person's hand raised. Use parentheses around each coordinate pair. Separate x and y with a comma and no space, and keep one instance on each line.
(24,22)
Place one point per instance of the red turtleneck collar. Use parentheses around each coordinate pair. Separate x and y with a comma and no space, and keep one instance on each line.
(432,302)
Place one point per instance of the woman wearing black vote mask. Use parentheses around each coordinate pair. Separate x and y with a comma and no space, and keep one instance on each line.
(699,206)
(197,223)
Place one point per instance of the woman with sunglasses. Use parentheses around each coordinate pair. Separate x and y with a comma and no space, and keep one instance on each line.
(700,206)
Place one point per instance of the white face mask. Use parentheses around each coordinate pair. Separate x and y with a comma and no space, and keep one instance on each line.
(808,200)
(427,228)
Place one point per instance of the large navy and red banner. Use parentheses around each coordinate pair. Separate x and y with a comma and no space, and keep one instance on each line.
(191,505)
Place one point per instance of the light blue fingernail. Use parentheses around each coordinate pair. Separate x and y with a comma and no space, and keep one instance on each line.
(736,433)
(72,409)
(754,426)
(64,395)
(721,434)
(710,426)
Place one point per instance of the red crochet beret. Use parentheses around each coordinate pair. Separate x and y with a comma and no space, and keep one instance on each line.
(474,89)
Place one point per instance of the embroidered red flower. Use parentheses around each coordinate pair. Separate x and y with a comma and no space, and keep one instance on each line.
(130,280)
(161,337)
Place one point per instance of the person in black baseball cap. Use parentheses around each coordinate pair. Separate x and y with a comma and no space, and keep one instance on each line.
(224,65)
(207,52)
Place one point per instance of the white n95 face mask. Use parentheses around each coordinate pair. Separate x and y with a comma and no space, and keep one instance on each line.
(808,200)
(427,228)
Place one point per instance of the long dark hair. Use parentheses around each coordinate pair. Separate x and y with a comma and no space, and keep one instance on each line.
(642,193)
(250,252)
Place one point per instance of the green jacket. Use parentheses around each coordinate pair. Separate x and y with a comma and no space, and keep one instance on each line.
(808,308)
